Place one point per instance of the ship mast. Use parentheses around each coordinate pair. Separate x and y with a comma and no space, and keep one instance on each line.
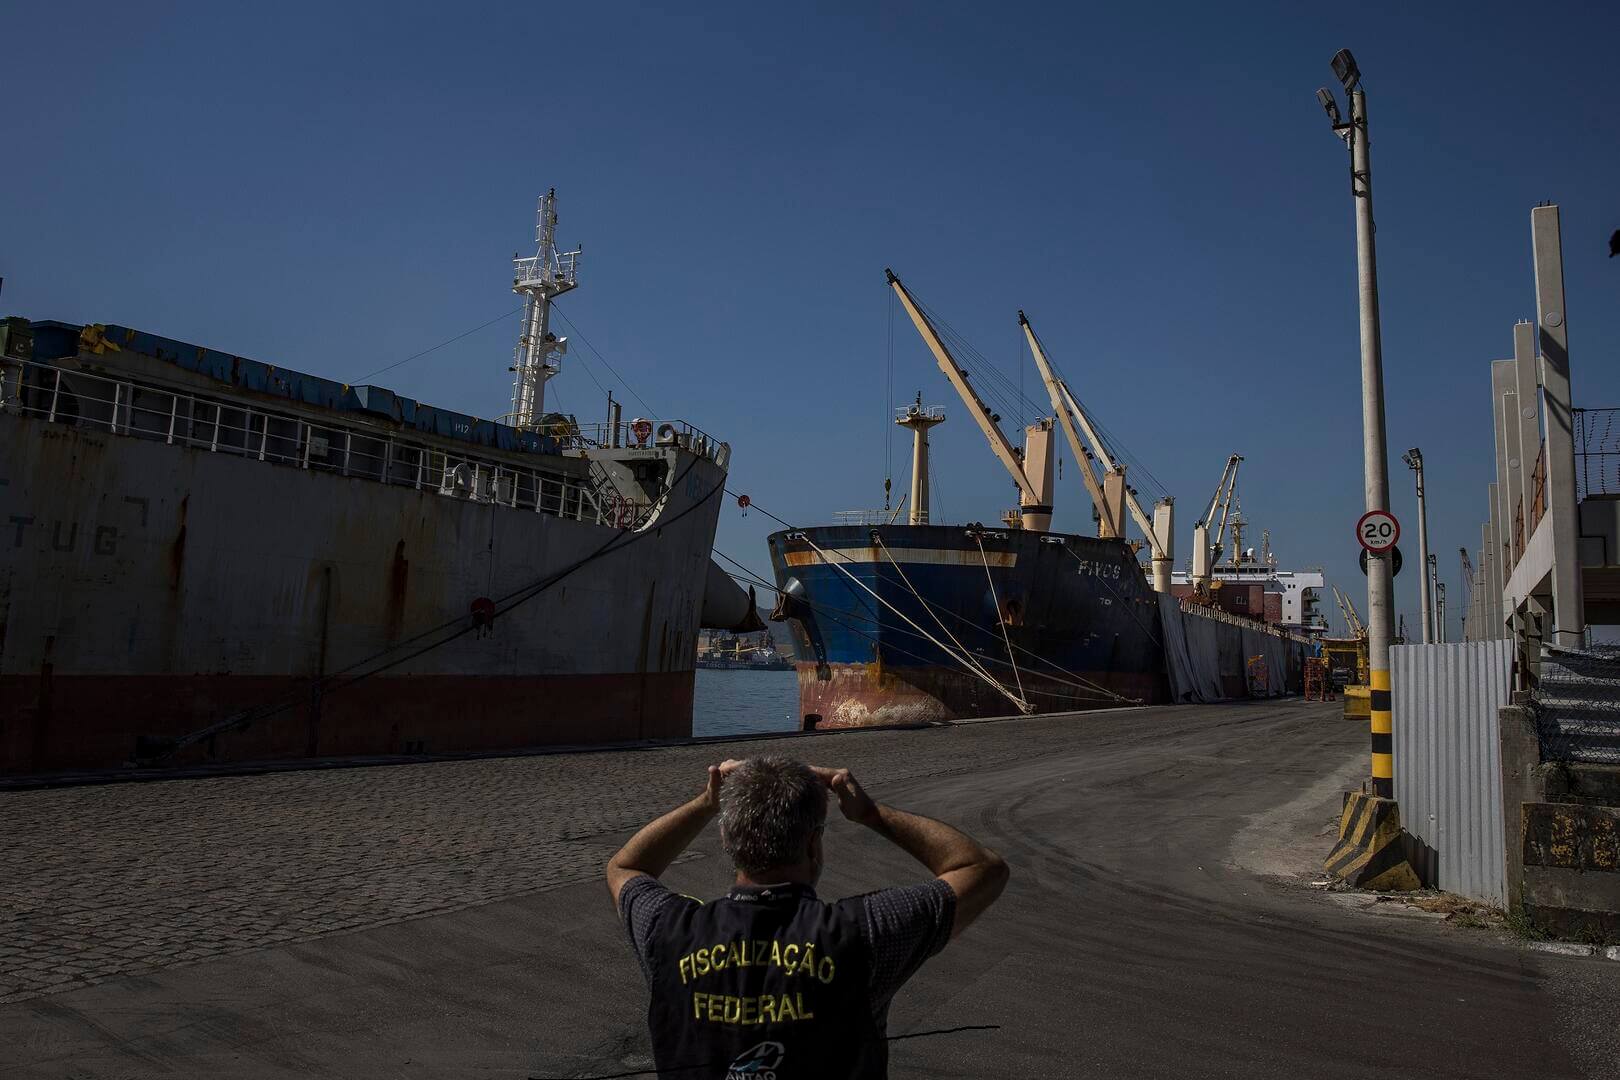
(919,418)
(1034,481)
(539,279)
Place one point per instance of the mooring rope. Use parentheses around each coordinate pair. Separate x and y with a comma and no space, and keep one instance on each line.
(1094,692)
(1023,706)
(928,607)
(1080,680)
(1001,620)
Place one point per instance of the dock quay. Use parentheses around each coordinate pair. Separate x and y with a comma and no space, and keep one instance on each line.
(448,918)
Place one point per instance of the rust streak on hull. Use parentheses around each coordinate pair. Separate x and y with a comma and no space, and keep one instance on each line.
(873,695)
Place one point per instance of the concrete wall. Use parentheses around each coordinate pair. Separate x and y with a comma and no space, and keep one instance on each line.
(1562,843)
(1448,777)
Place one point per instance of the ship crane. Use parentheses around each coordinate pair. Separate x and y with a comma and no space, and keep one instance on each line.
(1031,469)
(1113,495)
(1207,552)
(1352,620)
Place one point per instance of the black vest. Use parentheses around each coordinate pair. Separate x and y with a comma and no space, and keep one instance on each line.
(765,984)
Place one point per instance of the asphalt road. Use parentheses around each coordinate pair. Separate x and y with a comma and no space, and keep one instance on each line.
(445,919)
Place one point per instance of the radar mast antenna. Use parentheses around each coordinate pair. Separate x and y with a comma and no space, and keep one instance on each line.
(539,279)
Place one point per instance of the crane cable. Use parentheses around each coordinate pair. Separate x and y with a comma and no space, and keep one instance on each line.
(978,538)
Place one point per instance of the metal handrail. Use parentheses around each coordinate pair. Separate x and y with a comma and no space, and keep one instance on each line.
(644,434)
(866,517)
(136,409)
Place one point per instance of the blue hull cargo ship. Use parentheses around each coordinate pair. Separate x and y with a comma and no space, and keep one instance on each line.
(922,621)
(897,624)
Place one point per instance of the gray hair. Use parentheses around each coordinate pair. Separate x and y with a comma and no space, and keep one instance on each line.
(769,809)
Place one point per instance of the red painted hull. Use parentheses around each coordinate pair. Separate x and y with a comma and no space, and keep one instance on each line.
(56,723)
(864,695)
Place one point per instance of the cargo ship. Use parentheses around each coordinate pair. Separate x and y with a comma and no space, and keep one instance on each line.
(215,558)
(922,621)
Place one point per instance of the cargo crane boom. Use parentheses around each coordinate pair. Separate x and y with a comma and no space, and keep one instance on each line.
(1351,618)
(1034,495)
(1158,530)
(1207,552)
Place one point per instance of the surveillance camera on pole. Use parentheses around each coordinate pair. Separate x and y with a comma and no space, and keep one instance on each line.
(1375,463)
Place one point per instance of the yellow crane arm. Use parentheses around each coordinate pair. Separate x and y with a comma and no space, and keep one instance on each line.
(1351,618)
(1142,520)
(1220,490)
(1081,458)
(979,410)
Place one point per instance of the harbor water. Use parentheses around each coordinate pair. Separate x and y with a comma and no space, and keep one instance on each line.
(744,702)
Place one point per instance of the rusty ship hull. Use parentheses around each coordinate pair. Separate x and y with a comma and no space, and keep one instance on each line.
(212,559)
(881,617)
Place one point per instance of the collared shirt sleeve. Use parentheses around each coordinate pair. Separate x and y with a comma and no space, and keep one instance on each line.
(641,902)
(904,927)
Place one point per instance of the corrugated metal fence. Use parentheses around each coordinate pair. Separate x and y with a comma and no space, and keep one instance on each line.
(1448,768)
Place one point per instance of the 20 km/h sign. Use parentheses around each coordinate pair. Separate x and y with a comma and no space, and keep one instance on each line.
(1377,531)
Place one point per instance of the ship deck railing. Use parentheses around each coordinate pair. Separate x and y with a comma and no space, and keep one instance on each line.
(643,434)
(875,517)
(137,409)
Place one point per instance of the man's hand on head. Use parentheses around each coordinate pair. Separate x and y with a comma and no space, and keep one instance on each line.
(717,776)
(853,801)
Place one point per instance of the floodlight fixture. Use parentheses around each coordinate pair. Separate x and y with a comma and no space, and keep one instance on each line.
(1329,105)
(1345,70)
(1413,458)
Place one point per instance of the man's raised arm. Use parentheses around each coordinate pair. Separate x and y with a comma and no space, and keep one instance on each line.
(975,873)
(660,842)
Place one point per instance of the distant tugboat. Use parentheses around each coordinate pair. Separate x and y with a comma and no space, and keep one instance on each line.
(742,652)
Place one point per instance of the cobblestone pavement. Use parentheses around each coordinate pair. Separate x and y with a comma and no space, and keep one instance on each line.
(125,879)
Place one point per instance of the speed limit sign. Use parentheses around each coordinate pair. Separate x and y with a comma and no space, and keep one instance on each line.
(1377,531)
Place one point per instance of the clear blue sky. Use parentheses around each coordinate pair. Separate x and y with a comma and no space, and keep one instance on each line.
(334,189)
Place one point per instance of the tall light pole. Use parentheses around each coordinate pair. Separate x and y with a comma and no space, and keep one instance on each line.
(1414,461)
(1431,584)
(1440,603)
(1375,459)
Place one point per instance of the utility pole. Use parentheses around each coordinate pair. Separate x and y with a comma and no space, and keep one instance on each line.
(1440,603)
(1431,587)
(1375,462)
(1414,461)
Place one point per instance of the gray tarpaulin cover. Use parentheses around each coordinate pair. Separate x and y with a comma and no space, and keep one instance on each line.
(1207,656)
